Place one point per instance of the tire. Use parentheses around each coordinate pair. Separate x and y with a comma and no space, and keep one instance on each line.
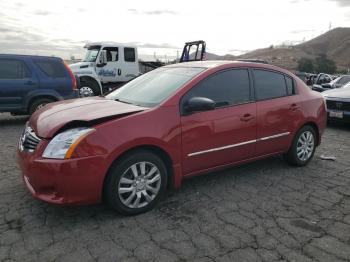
(89,88)
(122,188)
(300,152)
(38,103)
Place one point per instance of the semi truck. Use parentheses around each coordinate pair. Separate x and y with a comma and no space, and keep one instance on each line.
(108,65)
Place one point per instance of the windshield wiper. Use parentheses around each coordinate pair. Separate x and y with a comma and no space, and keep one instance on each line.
(121,101)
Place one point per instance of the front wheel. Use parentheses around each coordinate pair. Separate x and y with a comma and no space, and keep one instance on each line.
(135,183)
(303,147)
(89,88)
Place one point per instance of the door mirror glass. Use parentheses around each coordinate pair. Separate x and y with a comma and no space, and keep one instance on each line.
(198,104)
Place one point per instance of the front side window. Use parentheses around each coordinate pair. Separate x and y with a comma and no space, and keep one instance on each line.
(152,88)
(226,88)
(129,54)
(269,85)
(51,68)
(112,54)
(13,69)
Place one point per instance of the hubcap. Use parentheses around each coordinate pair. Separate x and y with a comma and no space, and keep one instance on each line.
(86,91)
(139,185)
(305,145)
(40,106)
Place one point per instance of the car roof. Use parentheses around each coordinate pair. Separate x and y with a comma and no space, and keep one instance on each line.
(108,44)
(226,63)
(27,56)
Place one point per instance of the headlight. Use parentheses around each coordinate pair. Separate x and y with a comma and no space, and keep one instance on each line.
(62,145)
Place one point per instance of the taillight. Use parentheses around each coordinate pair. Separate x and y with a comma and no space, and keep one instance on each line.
(74,81)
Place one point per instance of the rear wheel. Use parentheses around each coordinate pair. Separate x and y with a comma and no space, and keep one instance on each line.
(89,88)
(38,103)
(136,183)
(303,147)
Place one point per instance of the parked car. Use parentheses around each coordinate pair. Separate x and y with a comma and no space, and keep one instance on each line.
(338,103)
(166,125)
(30,82)
(336,83)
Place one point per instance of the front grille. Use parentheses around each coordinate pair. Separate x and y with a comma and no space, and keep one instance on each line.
(29,140)
(338,105)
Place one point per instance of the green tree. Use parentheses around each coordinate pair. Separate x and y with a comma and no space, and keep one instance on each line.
(325,65)
(305,65)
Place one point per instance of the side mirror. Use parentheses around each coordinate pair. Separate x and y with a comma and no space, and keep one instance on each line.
(102,61)
(198,104)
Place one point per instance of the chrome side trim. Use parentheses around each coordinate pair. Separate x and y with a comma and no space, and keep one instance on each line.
(221,148)
(272,137)
(239,144)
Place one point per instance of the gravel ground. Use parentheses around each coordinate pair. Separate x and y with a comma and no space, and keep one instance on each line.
(265,211)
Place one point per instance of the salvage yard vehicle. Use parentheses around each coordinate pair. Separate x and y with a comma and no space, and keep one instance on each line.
(108,65)
(338,103)
(27,83)
(336,83)
(172,123)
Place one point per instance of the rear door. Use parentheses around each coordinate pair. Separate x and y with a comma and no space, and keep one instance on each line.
(226,134)
(130,65)
(54,77)
(16,81)
(278,111)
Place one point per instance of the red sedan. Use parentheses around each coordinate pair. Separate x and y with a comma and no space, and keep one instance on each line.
(169,124)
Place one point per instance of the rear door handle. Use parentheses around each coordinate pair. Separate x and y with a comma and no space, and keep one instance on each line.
(246,117)
(294,107)
(30,82)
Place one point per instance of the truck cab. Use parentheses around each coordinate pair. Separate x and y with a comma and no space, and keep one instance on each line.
(106,65)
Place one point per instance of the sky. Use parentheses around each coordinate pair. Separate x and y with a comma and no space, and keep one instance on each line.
(161,27)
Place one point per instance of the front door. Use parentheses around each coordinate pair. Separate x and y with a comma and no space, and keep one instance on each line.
(226,134)
(111,71)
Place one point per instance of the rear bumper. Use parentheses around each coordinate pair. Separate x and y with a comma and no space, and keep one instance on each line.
(64,182)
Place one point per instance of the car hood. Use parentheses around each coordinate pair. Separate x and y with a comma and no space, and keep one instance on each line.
(81,67)
(337,93)
(51,118)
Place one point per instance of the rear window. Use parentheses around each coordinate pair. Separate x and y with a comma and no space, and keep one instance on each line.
(51,68)
(129,54)
(13,69)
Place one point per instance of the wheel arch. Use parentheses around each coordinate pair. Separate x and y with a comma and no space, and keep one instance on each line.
(37,97)
(315,127)
(160,152)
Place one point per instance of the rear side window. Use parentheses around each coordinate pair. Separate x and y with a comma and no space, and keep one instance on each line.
(13,69)
(269,84)
(129,54)
(51,68)
(225,88)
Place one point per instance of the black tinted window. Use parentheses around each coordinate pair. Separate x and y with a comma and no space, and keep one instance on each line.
(290,85)
(224,88)
(129,54)
(269,84)
(13,69)
(51,68)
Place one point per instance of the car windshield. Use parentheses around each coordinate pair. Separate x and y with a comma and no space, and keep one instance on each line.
(91,54)
(154,87)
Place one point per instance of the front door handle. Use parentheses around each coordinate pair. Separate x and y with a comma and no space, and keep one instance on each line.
(119,72)
(30,82)
(247,117)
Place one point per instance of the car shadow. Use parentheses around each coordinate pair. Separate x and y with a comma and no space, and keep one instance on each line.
(339,125)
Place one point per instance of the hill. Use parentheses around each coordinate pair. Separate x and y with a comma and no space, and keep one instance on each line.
(334,43)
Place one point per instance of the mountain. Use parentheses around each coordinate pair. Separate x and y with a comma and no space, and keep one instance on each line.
(334,43)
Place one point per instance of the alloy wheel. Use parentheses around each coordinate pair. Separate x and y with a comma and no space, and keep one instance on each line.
(305,145)
(139,185)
